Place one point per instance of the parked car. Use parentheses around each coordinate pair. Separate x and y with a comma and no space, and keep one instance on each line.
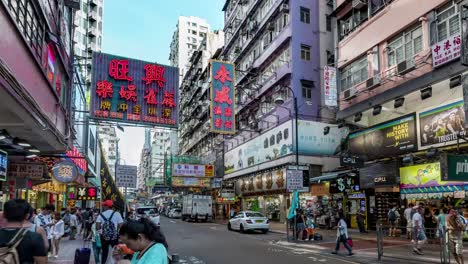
(150,212)
(175,213)
(249,221)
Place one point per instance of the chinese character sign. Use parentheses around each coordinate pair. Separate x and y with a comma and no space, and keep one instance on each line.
(330,90)
(134,91)
(65,171)
(446,50)
(222,97)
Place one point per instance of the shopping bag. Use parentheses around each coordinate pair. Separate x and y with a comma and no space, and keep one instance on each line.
(82,255)
(349,241)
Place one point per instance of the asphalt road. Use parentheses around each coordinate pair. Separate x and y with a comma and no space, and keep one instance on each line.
(213,243)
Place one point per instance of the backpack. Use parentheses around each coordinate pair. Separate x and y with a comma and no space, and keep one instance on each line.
(392,215)
(109,232)
(8,252)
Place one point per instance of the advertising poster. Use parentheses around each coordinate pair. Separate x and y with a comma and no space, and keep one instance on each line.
(312,141)
(391,138)
(3,165)
(222,97)
(134,91)
(261,182)
(423,175)
(440,126)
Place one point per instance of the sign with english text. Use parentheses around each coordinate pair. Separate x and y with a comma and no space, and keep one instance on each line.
(134,91)
(454,167)
(222,97)
(126,176)
(351,161)
(446,50)
(295,181)
(190,170)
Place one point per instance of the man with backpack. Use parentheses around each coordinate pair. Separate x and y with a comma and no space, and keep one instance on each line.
(108,224)
(393,217)
(17,244)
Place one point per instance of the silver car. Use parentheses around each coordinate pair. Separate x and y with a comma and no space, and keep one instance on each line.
(249,221)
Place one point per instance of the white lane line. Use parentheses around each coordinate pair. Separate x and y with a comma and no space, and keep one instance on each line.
(174,222)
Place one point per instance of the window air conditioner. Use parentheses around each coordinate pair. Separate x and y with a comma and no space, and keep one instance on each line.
(350,93)
(271,26)
(373,82)
(406,66)
(284,8)
(358,4)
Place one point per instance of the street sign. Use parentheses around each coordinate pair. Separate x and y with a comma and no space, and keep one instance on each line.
(126,176)
(294,180)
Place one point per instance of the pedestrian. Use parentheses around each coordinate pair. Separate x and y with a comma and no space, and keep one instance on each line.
(409,223)
(146,239)
(108,223)
(419,235)
(300,224)
(393,217)
(31,248)
(31,226)
(58,230)
(310,228)
(73,224)
(360,218)
(342,236)
(44,220)
(96,240)
(455,228)
(430,223)
(79,220)
(88,219)
(441,216)
(33,215)
(3,220)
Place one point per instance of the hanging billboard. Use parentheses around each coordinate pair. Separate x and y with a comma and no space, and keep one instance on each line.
(391,138)
(423,176)
(134,91)
(191,182)
(330,90)
(440,126)
(222,97)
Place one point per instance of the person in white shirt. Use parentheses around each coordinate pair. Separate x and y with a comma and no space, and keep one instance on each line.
(418,227)
(409,221)
(44,220)
(108,215)
(58,230)
(73,224)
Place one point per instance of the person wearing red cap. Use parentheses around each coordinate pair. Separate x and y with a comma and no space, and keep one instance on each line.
(108,224)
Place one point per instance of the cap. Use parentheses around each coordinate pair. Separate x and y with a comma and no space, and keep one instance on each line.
(108,203)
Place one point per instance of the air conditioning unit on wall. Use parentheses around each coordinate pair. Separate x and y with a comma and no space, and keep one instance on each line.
(373,82)
(350,93)
(406,66)
(358,4)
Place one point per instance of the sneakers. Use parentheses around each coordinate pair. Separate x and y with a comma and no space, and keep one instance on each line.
(350,254)
(334,252)
(418,251)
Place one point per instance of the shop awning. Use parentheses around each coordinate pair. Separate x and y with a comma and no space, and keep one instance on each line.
(435,189)
(328,176)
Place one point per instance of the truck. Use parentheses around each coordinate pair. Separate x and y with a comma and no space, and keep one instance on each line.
(197,207)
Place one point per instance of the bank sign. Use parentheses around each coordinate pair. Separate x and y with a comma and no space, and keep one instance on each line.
(134,91)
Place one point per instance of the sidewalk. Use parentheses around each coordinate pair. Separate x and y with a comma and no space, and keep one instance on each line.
(67,251)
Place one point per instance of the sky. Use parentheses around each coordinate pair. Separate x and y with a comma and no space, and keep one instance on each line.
(143,30)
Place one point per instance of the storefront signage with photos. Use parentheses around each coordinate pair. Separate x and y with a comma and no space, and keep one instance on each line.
(265,181)
(423,175)
(391,138)
(126,176)
(223,97)
(295,180)
(33,171)
(65,171)
(191,182)
(134,91)
(351,161)
(86,193)
(344,183)
(330,90)
(454,167)
(440,126)
(446,50)
(191,170)
(3,165)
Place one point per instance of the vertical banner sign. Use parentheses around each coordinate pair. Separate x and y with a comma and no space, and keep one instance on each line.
(134,91)
(330,89)
(222,97)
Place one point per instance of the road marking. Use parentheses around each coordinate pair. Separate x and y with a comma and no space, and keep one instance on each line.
(174,222)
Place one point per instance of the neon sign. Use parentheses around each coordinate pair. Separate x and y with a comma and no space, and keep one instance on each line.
(222,97)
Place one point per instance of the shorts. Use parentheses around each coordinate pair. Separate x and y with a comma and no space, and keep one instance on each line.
(301,227)
(457,244)
(310,231)
(393,224)
(421,235)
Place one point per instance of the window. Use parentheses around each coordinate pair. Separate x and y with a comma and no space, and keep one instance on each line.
(404,46)
(100,11)
(305,52)
(354,73)
(307,89)
(100,26)
(329,23)
(448,23)
(305,15)
(194,32)
(194,24)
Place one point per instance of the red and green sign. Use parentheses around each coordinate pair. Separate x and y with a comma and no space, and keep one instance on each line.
(134,91)
(222,97)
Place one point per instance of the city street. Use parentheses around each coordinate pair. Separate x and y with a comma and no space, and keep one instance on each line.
(213,243)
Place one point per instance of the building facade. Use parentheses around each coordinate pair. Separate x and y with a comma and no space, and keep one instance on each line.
(401,86)
(110,146)
(280,49)
(189,33)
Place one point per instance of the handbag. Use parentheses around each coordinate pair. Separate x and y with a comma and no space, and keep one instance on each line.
(349,241)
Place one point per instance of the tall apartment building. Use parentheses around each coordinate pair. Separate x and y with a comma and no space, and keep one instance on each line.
(280,49)
(188,35)
(401,83)
(88,34)
(110,146)
(195,137)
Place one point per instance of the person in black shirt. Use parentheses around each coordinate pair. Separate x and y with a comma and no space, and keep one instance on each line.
(31,249)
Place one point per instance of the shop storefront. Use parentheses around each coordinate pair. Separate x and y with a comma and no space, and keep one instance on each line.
(265,192)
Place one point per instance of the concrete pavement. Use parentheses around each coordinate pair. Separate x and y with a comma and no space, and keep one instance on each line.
(67,252)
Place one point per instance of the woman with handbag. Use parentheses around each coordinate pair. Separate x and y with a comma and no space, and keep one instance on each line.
(342,236)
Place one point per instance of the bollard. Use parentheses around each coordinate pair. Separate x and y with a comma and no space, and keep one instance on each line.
(175,258)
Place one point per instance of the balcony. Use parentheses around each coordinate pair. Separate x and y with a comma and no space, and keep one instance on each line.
(92,16)
(92,3)
(92,32)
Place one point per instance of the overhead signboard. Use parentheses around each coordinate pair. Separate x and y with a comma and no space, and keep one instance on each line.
(446,50)
(134,91)
(440,126)
(191,182)
(126,176)
(65,171)
(330,90)
(262,182)
(3,165)
(423,176)
(222,97)
(30,170)
(391,138)
(191,170)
